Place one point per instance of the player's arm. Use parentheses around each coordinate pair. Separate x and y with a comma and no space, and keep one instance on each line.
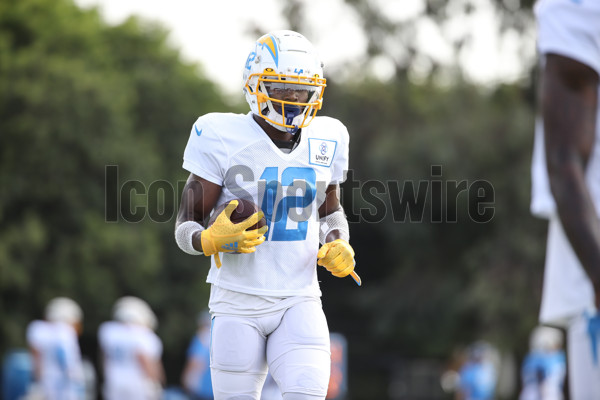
(199,197)
(336,254)
(152,368)
(190,374)
(332,205)
(569,107)
(37,363)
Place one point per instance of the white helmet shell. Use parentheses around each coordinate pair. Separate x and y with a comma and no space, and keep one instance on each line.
(133,310)
(545,338)
(63,309)
(284,60)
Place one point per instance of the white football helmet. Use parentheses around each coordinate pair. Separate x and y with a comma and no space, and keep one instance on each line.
(63,309)
(545,338)
(283,61)
(134,310)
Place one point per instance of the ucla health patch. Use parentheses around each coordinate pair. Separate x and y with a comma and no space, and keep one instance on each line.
(321,151)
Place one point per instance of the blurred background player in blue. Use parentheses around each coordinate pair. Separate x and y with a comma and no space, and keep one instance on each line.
(544,368)
(566,181)
(196,373)
(53,342)
(17,374)
(131,352)
(478,376)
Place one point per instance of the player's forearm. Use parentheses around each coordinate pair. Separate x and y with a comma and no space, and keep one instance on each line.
(37,364)
(334,235)
(569,107)
(197,240)
(152,368)
(334,226)
(579,219)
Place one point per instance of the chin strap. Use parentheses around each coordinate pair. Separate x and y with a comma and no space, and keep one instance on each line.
(291,111)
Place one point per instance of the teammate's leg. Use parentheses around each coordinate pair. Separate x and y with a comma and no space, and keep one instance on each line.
(584,373)
(238,364)
(298,353)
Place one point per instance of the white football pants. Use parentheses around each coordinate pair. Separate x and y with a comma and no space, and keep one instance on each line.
(293,344)
(584,374)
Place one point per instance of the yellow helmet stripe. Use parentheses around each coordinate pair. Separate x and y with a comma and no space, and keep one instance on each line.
(269,42)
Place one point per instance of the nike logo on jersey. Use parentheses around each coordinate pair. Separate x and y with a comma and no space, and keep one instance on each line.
(230,246)
(198,132)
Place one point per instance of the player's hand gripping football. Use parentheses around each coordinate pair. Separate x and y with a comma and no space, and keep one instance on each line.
(338,258)
(225,236)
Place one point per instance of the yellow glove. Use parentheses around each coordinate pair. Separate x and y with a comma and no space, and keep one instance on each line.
(225,236)
(337,257)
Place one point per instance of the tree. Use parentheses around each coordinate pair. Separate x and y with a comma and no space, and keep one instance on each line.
(76,97)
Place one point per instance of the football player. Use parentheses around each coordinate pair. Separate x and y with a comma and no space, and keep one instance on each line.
(196,373)
(478,376)
(544,368)
(131,352)
(265,302)
(566,181)
(57,365)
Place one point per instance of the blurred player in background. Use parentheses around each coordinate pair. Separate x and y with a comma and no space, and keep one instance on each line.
(131,352)
(266,303)
(57,366)
(478,376)
(544,368)
(566,181)
(196,373)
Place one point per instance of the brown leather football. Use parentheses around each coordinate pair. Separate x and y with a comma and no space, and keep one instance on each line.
(244,209)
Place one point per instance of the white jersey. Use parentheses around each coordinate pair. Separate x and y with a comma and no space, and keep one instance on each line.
(121,344)
(61,369)
(572,29)
(233,151)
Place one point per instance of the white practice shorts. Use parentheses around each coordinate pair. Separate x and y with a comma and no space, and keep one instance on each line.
(584,374)
(293,344)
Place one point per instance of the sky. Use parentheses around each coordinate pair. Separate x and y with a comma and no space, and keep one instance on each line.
(214,34)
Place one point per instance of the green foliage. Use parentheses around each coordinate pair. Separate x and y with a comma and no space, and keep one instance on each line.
(77,95)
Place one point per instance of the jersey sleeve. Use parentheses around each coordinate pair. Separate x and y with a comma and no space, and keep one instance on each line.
(340,162)
(570,29)
(150,344)
(205,154)
(35,333)
(103,334)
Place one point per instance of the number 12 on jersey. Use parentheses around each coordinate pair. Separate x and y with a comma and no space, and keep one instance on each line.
(277,215)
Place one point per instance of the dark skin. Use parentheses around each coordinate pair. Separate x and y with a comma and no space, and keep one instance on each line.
(569,107)
(200,196)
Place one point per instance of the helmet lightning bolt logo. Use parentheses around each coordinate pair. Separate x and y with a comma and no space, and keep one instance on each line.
(269,42)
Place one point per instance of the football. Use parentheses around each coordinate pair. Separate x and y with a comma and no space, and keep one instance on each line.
(244,209)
